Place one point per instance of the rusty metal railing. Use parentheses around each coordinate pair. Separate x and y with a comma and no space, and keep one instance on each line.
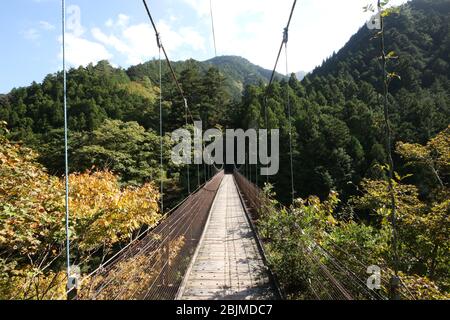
(328,277)
(250,196)
(153,267)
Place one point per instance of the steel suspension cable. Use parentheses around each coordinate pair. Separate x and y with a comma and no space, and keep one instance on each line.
(388,136)
(158,39)
(134,241)
(188,169)
(172,71)
(352,276)
(272,78)
(144,250)
(111,260)
(288,101)
(161,155)
(66,148)
(212,26)
(266,117)
(161,48)
(282,44)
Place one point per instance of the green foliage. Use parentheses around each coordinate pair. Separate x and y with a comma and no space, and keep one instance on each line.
(291,237)
(287,234)
(338,138)
(125,148)
(32,216)
(430,160)
(238,72)
(114,117)
(95,93)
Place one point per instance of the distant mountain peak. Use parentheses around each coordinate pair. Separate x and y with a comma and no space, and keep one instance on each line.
(240,72)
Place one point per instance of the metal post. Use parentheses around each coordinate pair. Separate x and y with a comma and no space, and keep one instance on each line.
(394,292)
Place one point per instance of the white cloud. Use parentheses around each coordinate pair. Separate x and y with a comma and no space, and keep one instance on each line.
(123,20)
(253,28)
(46,25)
(137,43)
(192,38)
(31,34)
(79,49)
(34,34)
(250,28)
(141,43)
(81,52)
(175,39)
(109,23)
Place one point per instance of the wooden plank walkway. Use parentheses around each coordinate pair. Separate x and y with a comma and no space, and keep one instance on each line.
(227,264)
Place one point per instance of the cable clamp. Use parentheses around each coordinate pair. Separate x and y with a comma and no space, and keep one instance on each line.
(158,40)
(286,35)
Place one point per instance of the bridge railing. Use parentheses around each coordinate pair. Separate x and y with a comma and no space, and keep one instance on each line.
(328,277)
(153,267)
(252,200)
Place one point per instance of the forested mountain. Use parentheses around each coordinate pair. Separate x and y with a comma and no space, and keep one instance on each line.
(336,109)
(241,72)
(340,146)
(420,41)
(338,135)
(100,92)
(238,72)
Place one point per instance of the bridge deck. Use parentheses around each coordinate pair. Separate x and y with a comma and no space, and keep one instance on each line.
(227,264)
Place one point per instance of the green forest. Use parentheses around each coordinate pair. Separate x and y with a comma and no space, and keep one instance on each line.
(339,154)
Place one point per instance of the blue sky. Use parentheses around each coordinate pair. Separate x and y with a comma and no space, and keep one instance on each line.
(118,30)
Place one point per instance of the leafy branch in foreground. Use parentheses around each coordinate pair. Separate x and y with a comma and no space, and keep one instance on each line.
(103,215)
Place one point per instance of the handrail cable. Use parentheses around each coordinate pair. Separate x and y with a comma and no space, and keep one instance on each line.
(288,102)
(66,147)
(272,77)
(138,238)
(172,71)
(286,30)
(335,260)
(161,155)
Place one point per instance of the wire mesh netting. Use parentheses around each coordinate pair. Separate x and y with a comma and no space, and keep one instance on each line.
(327,276)
(153,268)
(250,192)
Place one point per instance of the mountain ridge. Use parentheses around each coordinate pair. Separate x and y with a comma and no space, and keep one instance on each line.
(238,71)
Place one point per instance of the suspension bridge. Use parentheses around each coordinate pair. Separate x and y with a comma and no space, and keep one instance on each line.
(207,247)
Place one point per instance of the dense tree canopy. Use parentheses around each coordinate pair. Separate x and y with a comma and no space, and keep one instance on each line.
(32,215)
(339,154)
